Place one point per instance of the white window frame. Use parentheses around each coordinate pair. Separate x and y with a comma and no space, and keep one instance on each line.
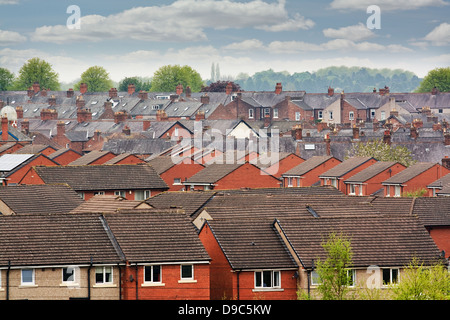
(297,116)
(187,279)
(151,269)
(121,193)
(383,115)
(290,181)
(334,182)
(104,272)
(390,276)
(320,115)
(275,279)
(251,113)
(33,277)
(351,115)
(352,190)
(397,191)
(99,193)
(145,193)
(266,112)
(275,112)
(330,115)
(177,181)
(73,276)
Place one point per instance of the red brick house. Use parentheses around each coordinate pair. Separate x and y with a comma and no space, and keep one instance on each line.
(65,156)
(237,272)
(231,176)
(338,174)
(414,178)
(286,161)
(368,181)
(440,187)
(173,172)
(15,166)
(166,265)
(307,173)
(133,182)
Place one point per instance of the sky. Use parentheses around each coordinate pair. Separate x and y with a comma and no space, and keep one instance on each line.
(137,37)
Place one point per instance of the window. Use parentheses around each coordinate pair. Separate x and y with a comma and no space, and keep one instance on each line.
(383,115)
(372,114)
(267,279)
(397,191)
(120,193)
(351,115)
(103,275)
(141,194)
(441,111)
(176,132)
(99,193)
(352,189)
(152,274)
(297,116)
(176,180)
(315,279)
(251,113)
(68,274)
(81,194)
(187,272)
(290,181)
(275,112)
(351,276)
(330,115)
(27,278)
(334,182)
(320,114)
(390,276)
(266,112)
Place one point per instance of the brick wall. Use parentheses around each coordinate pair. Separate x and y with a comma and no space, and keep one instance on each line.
(247,176)
(182,171)
(441,236)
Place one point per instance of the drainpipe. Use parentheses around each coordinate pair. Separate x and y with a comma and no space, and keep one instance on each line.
(89,279)
(120,281)
(137,297)
(238,272)
(7,279)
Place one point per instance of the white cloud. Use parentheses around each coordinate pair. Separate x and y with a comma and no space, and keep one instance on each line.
(246,45)
(356,33)
(440,36)
(183,20)
(385,5)
(8,38)
(9,2)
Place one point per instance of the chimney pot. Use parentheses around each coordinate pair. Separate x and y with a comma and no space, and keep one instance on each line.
(131,89)
(83,88)
(278,88)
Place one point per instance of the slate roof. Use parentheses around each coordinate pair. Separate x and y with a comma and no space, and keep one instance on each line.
(251,244)
(38,199)
(409,173)
(212,173)
(307,165)
(103,177)
(105,204)
(381,240)
(345,167)
(371,171)
(54,239)
(188,201)
(89,157)
(156,237)
(433,211)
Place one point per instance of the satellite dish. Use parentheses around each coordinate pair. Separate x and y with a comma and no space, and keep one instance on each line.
(9,112)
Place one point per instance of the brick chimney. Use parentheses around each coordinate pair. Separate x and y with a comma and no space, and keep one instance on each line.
(200,116)
(113,93)
(278,88)
(84,115)
(143,95)
(321,126)
(70,93)
(434,91)
(327,141)
(394,112)
(60,129)
(52,101)
(204,99)
(179,89)
(188,92)
(4,129)
(49,114)
(30,92)
(131,89)
(80,103)
(25,126)
(413,133)
(417,123)
(126,130)
(330,91)
(387,137)
(355,133)
(19,111)
(83,88)
(229,88)
(297,132)
(447,138)
(120,116)
(161,115)
(146,125)
(446,162)
(36,87)
(43,92)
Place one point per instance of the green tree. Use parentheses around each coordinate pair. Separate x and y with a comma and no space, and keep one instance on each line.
(139,83)
(382,152)
(419,282)
(168,77)
(96,78)
(6,79)
(37,70)
(333,272)
(439,78)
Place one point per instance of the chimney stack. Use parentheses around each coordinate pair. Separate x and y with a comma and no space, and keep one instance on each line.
(143,95)
(48,114)
(60,128)
(113,93)
(278,88)
(229,88)
(328,144)
(413,133)
(330,91)
(188,92)
(36,87)
(19,111)
(387,137)
(120,116)
(30,92)
(4,129)
(161,115)
(355,133)
(297,132)
(131,89)
(84,115)
(80,103)
(146,125)
(446,162)
(70,93)
(179,89)
(83,88)
(25,126)
(52,101)
(446,138)
(204,99)
(434,91)
(126,130)
(44,92)
(200,116)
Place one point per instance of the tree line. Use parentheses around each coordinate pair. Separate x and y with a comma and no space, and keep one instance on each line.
(166,78)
